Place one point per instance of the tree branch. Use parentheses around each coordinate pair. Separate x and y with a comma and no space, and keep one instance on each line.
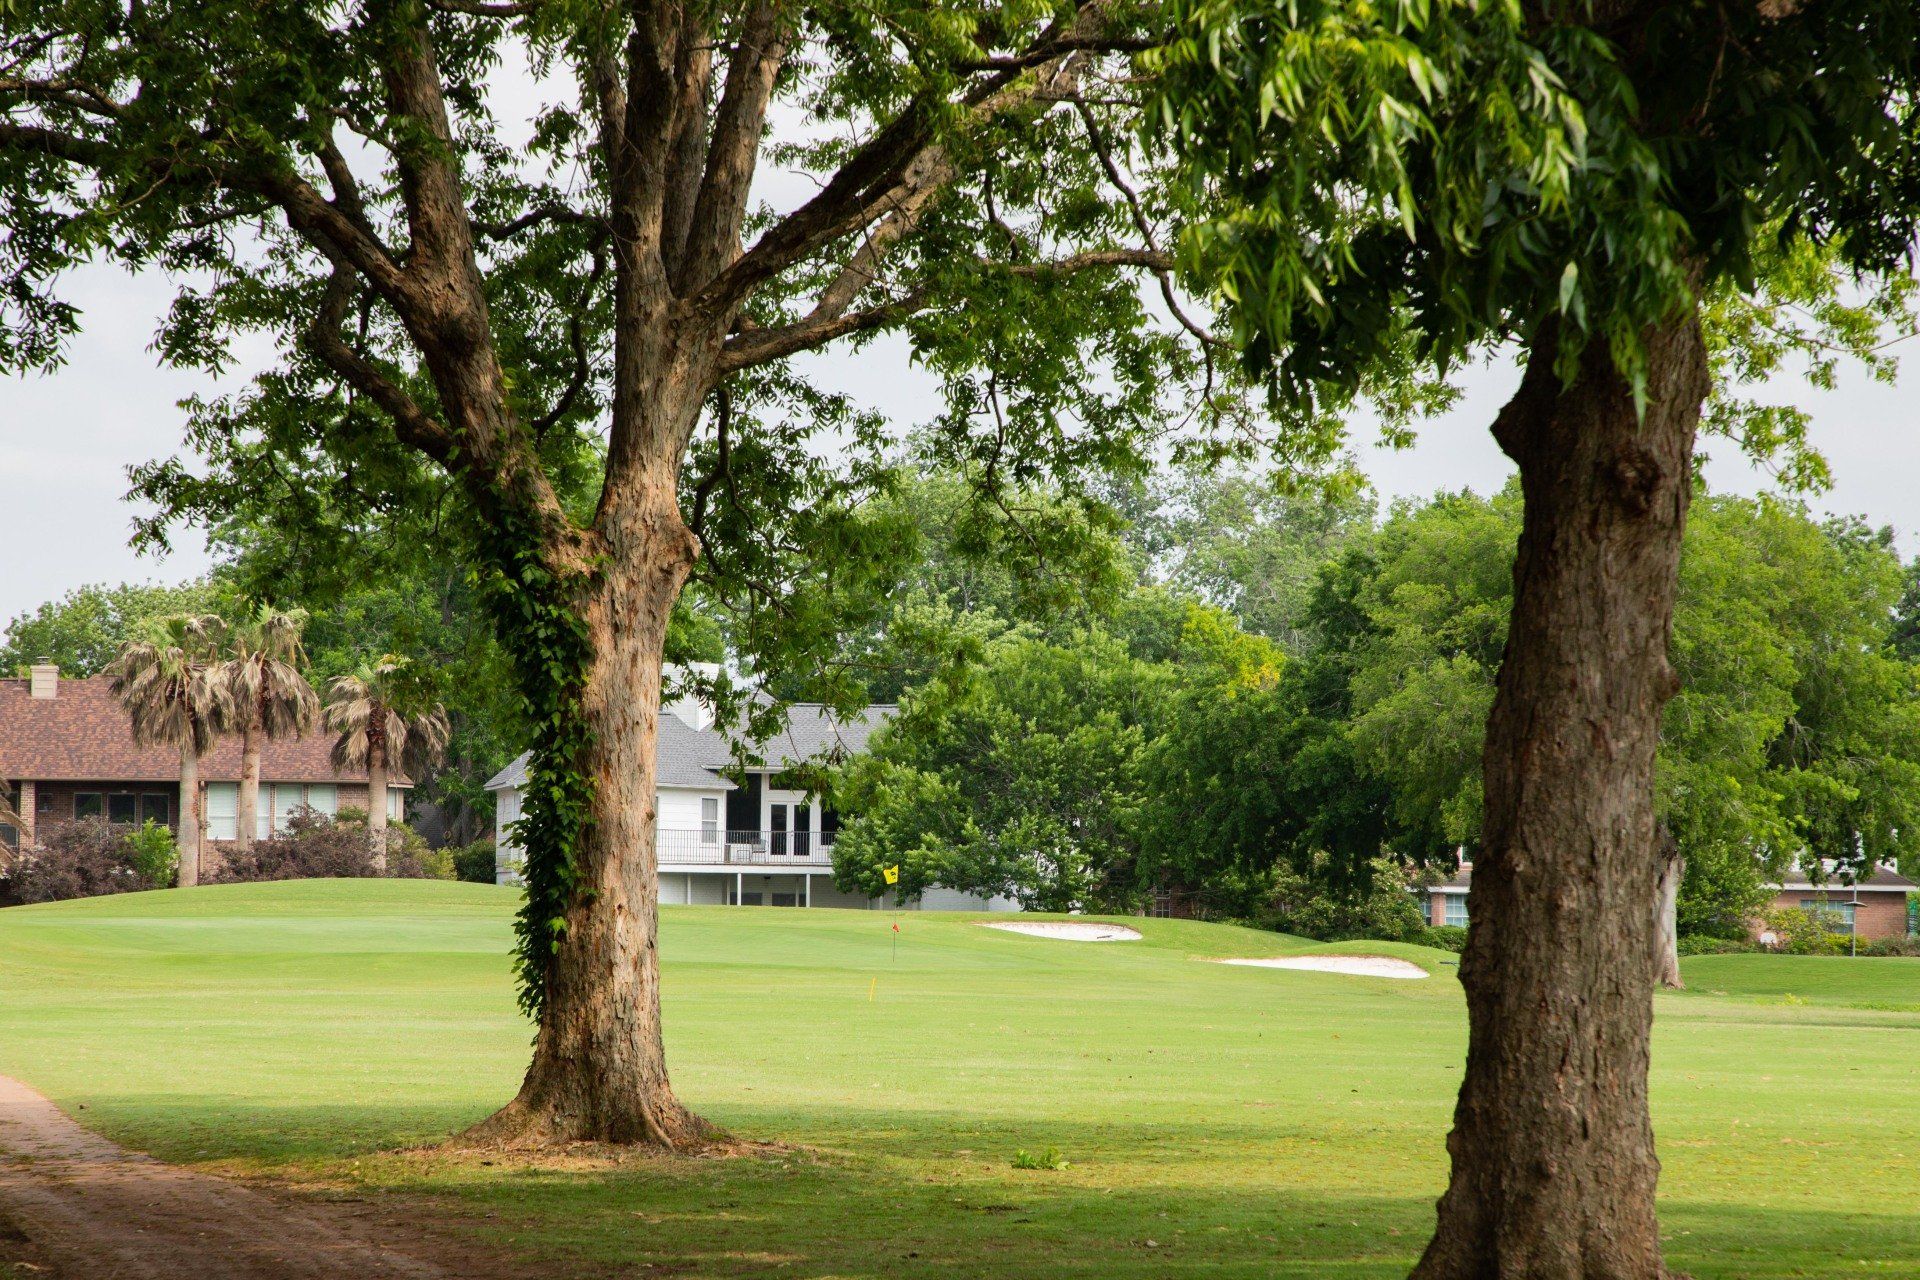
(720,205)
(486,8)
(867,186)
(411,423)
(758,346)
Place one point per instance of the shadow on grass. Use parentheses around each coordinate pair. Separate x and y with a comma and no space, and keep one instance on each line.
(933,1196)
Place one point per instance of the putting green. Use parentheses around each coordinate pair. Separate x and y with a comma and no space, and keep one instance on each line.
(1218,1120)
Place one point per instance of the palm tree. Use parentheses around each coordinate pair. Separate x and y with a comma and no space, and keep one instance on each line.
(385,715)
(172,687)
(271,699)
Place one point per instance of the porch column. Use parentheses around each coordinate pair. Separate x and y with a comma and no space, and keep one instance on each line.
(29,805)
(739,888)
(807,880)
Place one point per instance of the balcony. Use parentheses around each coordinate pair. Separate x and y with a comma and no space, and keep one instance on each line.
(714,847)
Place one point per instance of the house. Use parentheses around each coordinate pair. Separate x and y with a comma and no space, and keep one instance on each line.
(1873,907)
(761,842)
(67,752)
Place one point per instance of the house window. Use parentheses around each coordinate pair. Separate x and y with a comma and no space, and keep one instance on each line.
(10,834)
(1454,910)
(324,797)
(157,807)
(88,804)
(1836,916)
(123,809)
(285,800)
(709,819)
(222,815)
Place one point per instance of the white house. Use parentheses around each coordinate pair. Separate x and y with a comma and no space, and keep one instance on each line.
(756,844)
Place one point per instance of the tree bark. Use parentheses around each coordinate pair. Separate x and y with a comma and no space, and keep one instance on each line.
(377,802)
(188,843)
(1666,942)
(247,807)
(1552,1147)
(599,1070)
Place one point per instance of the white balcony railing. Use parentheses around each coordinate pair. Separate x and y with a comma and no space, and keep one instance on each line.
(715,847)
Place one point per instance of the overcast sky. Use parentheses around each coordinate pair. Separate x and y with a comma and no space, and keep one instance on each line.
(67,438)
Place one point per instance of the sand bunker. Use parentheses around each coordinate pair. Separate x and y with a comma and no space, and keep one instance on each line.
(1073,930)
(1362,966)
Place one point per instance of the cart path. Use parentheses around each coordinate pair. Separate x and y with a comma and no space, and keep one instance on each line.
(76,1206)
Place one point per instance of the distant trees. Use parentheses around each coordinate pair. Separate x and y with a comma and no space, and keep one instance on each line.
(175,690)
(385,716)
(271,696)
(85,629)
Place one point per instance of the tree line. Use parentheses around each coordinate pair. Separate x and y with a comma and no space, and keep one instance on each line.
(1267,701)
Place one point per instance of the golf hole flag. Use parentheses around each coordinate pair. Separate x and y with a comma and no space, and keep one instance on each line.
(891,874)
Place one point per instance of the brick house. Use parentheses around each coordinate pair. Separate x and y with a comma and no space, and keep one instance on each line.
(1873,908)
(67,752)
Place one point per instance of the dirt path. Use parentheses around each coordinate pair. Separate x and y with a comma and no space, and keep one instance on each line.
(75,1206)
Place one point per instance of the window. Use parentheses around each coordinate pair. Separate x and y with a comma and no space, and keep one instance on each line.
(157,807)
(9,834)
(1455,910)
(709,819)
(123,808)
(324,797)
(223,801)
(1836,916)
(396,805)
(286,799)
(87,804)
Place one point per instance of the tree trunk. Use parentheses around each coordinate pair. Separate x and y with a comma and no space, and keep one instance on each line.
(1552,1146)
(190,824)
(599,1070)
(247,808)
(377,804)
(1666,920)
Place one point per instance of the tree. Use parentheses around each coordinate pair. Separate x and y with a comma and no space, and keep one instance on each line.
(271,696)
(449,295)
(1575,177)
(1019,775)
(386,717)
(84,630)
(173,687)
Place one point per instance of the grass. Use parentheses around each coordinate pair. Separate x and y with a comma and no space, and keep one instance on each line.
(1211,1120)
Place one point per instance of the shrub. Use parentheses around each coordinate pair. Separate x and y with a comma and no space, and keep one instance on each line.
(1800,932)
(1891,947)
(153,853)
(474,862)
(1701,944)
(80,860)
(1314,905)
(315,846)
(1446,937)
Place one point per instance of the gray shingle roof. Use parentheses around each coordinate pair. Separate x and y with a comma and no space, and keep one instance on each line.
(690,757)
(814,733)
(680,754)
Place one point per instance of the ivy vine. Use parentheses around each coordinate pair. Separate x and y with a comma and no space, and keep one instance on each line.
(535,615)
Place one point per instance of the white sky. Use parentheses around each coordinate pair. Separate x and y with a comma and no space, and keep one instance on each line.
(66,440)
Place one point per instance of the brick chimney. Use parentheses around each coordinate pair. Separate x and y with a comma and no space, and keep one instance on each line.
(43,680)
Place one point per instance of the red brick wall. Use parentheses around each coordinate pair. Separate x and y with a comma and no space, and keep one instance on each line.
(1878,914)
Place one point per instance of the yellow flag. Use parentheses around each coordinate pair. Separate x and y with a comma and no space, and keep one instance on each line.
(891,874)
